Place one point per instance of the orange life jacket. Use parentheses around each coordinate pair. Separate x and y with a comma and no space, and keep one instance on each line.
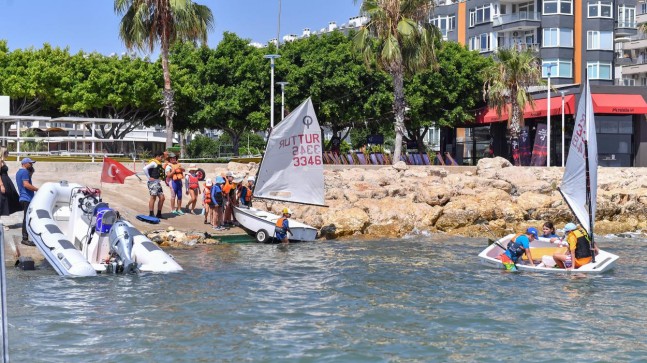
(279,222)
(248,196)
(207,195)
(193,182)
(177,172)
(227,187)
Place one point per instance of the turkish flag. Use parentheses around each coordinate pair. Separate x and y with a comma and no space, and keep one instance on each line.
(114,171)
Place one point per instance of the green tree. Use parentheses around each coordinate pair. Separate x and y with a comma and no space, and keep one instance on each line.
(448,95)
(326,68)
(113,88)
(232,81)
(507,82)
(399,37)
(148,22)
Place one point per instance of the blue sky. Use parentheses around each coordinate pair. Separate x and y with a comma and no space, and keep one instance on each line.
(91,25)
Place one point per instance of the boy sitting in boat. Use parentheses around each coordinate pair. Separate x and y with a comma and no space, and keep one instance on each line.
(580,248)
(518,246)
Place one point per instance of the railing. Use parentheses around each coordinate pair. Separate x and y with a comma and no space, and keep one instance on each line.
(511,18)
(626,24)
(521,46)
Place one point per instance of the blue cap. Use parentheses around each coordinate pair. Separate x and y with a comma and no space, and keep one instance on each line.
(27,161)
(570,227)
(220,180)
(532,231)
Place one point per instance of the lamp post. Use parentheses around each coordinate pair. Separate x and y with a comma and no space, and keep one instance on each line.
(563,129)
(272,57)
(549,66)
(282,84)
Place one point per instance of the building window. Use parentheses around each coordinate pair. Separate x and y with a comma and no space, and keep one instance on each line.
(564,7)
(599,70)
(627,82)
(600,9)
(480,42)
(599,40)
(480,15)
(558,37)
(643,8)
(563,68)
(626,16)
(444,23)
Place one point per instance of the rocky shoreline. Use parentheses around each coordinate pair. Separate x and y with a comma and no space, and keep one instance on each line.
(393,201)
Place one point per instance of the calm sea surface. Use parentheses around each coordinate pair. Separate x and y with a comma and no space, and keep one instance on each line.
(420,299)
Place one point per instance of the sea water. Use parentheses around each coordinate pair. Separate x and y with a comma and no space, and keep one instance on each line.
(419,299)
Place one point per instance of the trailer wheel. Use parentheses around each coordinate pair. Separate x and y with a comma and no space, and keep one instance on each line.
(262,236)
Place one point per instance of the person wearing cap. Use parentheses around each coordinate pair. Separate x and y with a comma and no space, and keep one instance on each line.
(207,201)
(155,174)
(218,199)
(578,251)
(245,193)
(282,227)
(517,247)
(192,187)
(26,190)
(174,175)
(229,193)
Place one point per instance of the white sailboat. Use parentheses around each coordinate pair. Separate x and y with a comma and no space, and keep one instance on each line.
(291,171)
(578,188)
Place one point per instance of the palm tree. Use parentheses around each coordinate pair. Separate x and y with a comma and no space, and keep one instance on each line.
(507,82)
(402,42)
(148,22)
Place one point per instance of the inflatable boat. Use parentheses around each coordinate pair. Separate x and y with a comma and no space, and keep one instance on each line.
(79,235)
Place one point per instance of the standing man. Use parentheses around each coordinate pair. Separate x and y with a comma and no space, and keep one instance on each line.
(26,193)
(155,174)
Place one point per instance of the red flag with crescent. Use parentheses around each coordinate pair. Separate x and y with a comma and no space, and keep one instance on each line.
(114,171)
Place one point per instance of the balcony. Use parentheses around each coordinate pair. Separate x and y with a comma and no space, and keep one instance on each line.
(523,20)
(637,41)
(637,66)
(534,47)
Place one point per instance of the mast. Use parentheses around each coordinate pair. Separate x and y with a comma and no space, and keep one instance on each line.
(588,177)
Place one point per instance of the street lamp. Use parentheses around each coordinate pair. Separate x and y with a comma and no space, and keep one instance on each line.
(563,129)
(282,84)
(549,66)
(272,57)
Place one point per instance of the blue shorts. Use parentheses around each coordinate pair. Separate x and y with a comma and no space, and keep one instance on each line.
(176,189)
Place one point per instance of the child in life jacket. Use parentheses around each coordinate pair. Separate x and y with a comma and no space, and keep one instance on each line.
(192,188)
(207,201)
(245,195)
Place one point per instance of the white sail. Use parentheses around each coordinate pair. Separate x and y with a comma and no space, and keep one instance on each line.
(292,167)
(573,187)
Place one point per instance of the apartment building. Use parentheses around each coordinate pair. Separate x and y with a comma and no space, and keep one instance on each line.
(572,38)
(631,61)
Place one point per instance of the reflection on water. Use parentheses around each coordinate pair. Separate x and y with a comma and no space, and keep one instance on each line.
(421,299)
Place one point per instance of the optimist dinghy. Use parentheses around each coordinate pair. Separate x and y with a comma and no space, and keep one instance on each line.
(579,189)
(291,171)
(81,236)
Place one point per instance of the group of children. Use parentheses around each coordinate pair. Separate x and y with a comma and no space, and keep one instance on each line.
(218,198)
(578,252)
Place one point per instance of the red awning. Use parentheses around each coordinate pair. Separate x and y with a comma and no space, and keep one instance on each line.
(489,115)
(619,104)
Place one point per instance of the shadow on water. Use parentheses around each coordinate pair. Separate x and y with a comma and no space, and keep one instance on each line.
(420,299)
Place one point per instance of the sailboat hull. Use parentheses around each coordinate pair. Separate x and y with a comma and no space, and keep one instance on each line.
(261,224)
(542,251)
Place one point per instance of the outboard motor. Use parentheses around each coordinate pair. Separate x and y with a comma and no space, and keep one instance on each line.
(121,246)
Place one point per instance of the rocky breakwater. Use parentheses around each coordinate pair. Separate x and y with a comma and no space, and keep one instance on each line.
(392,201)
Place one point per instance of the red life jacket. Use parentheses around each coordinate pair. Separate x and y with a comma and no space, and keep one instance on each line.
(193,182)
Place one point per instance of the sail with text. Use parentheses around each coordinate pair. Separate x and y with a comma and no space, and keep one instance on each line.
(292,168)
(574,186)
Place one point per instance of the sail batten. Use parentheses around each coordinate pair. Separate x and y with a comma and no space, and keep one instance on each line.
(292,168)
(573,186)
